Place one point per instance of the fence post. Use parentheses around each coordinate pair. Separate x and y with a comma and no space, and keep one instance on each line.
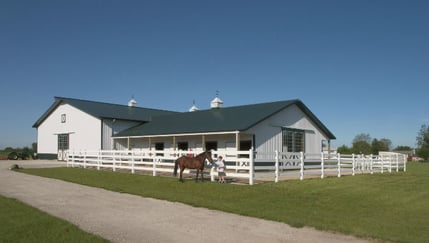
(153,162)
(353,164)
(371,164)
(301,176)
(339,165)
(397,162)
(323,165)
(276,173)
(405,163)
(67,160)
(114,160)
(390,163)
(252,167)
(132,162)
(98,163)
(84,159)
(73,159)
(212,174)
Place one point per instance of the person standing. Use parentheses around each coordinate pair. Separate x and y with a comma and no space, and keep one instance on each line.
(220,166)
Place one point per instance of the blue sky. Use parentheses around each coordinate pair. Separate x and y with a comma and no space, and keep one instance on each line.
(362,66)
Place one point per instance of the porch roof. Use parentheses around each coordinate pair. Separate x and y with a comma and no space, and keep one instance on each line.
(229,119)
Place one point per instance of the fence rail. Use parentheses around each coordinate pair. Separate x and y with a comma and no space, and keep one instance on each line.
(247,165)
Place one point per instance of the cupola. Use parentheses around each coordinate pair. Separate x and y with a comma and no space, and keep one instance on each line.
(132,103)
(216,102)
(193,108)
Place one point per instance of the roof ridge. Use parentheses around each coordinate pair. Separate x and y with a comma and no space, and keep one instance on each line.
(269,102)
(254,104)
(106,103)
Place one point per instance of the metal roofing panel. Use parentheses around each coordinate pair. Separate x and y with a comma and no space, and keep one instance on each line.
(238,118)
(105,110)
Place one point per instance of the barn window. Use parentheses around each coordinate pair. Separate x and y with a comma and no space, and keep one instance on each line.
(63,141)
(293,140)
(63,118)
(245,145)
(159,147)
(182,145)
(212,145)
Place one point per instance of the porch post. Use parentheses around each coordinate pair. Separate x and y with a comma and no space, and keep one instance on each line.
(174,146)
(237,140)
(203,142)
(237,148)
(329,148)
(251,167)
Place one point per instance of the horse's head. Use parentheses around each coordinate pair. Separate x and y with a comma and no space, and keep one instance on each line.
(209,156)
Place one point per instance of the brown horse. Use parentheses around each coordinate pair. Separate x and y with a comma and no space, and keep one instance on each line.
(196,162)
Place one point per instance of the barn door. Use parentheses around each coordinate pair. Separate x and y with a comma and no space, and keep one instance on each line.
(63,146)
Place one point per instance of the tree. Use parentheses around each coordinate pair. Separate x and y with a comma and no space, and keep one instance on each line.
(423,136)
(402,148)
(387,144)
(380,145)
(361,144)
(34,147)
(362,137)
(344,149)
(423,142)
(361,147)
(376,146)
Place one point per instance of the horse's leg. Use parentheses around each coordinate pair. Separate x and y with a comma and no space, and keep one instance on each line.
(196,179)
(202,176)
(181,172)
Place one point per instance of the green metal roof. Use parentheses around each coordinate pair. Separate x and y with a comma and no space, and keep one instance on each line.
(105,110)
(238,118)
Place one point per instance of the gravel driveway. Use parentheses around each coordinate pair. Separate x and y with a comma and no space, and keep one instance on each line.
(121,217)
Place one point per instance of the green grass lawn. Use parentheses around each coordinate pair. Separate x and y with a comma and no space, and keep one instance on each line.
(391,207)
(22,223)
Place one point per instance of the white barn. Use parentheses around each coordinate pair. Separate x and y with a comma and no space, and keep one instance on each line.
(85,125)
(287,126)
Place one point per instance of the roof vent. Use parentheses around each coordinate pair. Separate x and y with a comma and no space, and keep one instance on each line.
(194,107)
(216,102)
(132,103)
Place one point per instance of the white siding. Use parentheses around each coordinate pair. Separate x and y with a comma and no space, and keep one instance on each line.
(268,134)
(111,127)
(84,130)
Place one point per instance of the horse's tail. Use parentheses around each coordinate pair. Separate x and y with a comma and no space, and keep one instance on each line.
(176,164)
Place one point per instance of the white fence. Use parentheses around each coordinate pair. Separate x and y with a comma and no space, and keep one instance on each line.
(247,165)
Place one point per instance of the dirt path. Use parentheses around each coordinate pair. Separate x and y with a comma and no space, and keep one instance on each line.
(122,217)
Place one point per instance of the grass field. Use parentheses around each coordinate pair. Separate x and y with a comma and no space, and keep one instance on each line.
(22,223)
(391,207)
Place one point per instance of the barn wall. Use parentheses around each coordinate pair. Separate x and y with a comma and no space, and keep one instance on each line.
(111,127)
(107,132)
(268,134)
(224,142)
(84,130)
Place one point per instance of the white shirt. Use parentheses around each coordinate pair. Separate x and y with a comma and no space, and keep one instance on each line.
(220,166)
